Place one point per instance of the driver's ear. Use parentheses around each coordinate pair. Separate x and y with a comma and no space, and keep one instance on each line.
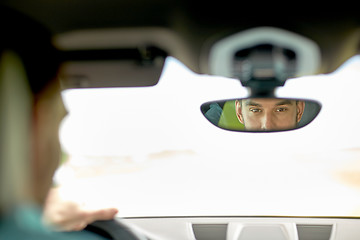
(239,111)
(300,107)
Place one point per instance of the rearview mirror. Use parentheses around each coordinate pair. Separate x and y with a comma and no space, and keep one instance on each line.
(261,114)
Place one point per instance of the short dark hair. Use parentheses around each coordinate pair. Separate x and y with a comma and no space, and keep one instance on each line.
(32,42)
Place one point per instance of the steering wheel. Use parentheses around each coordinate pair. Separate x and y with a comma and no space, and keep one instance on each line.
(113,230)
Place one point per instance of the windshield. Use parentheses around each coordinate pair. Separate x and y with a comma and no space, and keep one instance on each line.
(150,152)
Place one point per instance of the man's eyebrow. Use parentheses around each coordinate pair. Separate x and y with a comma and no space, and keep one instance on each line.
(251,103)
(284,102)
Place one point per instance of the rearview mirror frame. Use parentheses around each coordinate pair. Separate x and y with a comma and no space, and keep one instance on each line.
(225,114)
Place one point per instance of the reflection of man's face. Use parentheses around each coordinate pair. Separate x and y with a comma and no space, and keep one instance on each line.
(269,114)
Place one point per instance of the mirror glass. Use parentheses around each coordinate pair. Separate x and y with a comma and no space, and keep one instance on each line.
(261,114)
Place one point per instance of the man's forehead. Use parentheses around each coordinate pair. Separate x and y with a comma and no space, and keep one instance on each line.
(267,101)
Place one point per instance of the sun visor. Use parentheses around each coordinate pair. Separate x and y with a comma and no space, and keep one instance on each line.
(113,58)
(112,67)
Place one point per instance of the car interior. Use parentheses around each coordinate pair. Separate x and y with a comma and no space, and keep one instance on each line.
(263,53)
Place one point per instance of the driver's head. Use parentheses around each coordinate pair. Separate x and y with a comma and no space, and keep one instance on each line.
(266,114)
(30,110)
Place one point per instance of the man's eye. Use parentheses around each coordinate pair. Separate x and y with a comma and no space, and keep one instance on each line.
(281,109)
(255,110)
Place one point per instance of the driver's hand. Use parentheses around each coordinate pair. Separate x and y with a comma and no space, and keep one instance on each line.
(68,215)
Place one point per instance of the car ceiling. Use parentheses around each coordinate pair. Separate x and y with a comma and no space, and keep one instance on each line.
(200,23)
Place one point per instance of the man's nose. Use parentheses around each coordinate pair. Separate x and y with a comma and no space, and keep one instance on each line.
(268,122)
